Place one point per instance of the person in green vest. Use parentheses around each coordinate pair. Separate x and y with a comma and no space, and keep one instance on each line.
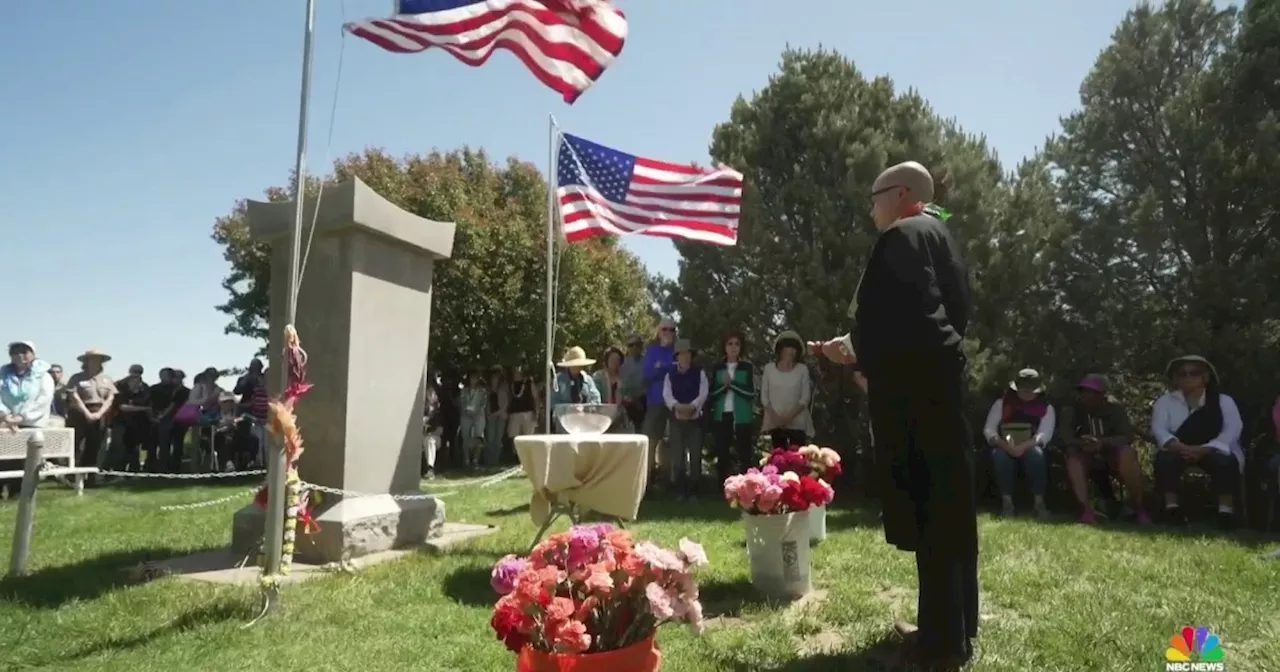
(731,406)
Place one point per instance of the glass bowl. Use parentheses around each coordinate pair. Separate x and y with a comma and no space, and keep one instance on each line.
(585,419)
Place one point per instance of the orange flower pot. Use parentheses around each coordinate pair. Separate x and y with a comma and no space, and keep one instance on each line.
(643,656)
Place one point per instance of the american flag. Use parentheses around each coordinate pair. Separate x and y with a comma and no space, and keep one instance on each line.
(567,44)
(604,191)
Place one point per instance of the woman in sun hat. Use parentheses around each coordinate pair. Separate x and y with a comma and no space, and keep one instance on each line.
(1019,427)
(1196,425)
(91,394)
(572,384)
(684,391)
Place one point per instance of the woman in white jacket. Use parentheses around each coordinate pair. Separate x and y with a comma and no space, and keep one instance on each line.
(785,392)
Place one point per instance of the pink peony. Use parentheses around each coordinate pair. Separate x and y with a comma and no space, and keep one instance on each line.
(769,498)
(505,571)
(659,558)
(693,552)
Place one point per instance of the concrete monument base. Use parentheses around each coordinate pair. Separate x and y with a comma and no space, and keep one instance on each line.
(351,528)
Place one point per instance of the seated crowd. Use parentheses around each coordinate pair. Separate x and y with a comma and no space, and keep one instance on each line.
(1193,425)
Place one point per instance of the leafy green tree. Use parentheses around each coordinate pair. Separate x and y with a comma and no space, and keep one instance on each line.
(1165,176)
(809,145)
(490,296)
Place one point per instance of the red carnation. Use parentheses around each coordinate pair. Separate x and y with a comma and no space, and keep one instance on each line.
(832,472)
(793,496)
(506,621)
(788,461)
(812,492)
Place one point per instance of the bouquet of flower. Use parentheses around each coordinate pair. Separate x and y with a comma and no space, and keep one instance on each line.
(592,589)
(769,491)
(815,461)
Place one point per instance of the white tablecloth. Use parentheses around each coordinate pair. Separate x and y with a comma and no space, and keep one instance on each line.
(606,473)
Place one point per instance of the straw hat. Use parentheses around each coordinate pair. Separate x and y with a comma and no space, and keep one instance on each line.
(94,352)
(575,356)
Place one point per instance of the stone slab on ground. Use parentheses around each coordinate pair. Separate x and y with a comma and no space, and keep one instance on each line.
(224,566)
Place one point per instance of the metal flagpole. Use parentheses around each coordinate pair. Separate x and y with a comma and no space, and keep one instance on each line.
(276,465)
(549,369)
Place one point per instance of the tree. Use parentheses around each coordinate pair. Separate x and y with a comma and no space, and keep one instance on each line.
(1165,176)
(489,305)
(809,145)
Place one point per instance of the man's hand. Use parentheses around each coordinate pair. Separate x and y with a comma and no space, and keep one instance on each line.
(860,380)
(833,350)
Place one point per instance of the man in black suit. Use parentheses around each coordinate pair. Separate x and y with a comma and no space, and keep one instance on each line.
(910,309)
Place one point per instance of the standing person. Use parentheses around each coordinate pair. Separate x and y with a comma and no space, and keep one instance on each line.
(59,405)
(684,391)
(91,393)
(633,393)
(431,430)
(475,398)
(786,389)
(658,360)
(733,391)
(175,436)
(450,392)
(495,429)
(26,395)
(609,382)
(130,424)
(160,397)
(247,386)
(910,311)
(522,404)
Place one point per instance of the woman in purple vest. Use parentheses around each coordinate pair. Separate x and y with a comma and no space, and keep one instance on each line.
(684,391)
(658,358)
(1018,428)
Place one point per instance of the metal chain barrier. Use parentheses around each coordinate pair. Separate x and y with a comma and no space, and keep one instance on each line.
(194,476)
(484,482)
(238,496)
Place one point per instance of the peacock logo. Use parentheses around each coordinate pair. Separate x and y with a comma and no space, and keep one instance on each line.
(1194,650)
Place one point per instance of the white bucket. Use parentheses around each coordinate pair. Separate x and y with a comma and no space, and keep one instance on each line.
(817,523)
(778,551)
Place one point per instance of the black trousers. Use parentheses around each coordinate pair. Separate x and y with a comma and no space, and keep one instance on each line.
(787,438)
(734,451)
(635,413)
(947,608)
(1223,470)
(90,434)
(128,436)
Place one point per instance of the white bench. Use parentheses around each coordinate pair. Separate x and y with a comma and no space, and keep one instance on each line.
(59,445)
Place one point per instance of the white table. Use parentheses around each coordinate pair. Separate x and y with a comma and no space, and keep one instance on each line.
(575,473)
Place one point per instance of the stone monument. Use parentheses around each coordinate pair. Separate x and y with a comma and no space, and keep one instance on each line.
(364,317)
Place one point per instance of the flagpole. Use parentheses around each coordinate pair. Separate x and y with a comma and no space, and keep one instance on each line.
(274,524)
(548,368)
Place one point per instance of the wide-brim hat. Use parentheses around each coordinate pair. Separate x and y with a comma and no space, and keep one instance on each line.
(682,345)
(94,352)
(634,339)
(1190,359)
(575,356)
(789,337)
(22,344)
(1027,378)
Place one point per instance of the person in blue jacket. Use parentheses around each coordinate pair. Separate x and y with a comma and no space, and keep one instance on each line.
(659,358)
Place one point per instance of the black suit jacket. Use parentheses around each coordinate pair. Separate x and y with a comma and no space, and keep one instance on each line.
(914,297)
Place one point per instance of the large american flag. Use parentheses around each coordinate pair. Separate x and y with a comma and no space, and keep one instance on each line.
(603,191)
(567,44)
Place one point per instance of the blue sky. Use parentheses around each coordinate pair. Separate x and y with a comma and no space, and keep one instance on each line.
(129,125)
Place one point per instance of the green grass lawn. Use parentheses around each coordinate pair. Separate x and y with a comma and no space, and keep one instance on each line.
(1054,596)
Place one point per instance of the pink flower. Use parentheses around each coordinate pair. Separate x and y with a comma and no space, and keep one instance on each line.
(659,601)
(693,552)
(693,614)
(769,498)
(752,486)
(505,571)
(570,637)
(583,547)
(598,580)
(659,558)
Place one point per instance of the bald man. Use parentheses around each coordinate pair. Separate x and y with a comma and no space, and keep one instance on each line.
(910,310)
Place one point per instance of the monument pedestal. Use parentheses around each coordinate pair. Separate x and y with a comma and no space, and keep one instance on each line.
(364,317)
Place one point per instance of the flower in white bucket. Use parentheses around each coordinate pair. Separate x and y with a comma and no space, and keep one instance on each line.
(768,491)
